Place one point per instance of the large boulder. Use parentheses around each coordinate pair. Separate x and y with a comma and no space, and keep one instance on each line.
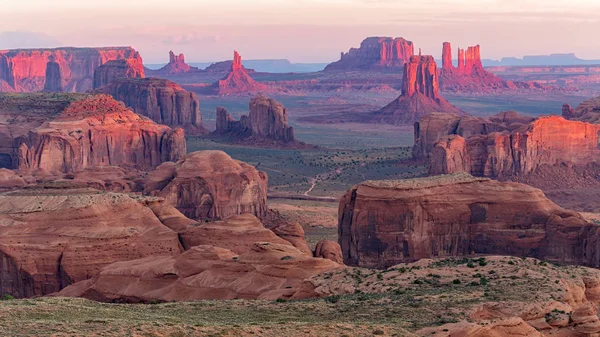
(210,185)
(382,223)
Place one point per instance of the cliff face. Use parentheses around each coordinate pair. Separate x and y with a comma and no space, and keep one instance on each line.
(238,80)
(95,131)
(24,70)
(161,100)
(587,111)
(507,147)
(383,223)
(375,53)
(210,185)
(420,94)
(53,81)
(114,69)
(267,121)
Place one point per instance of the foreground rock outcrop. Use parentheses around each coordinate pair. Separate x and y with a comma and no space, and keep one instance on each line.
(161,100)
(24,70)
(375,53)
(266,123)
(72,132)
(238,81)
(210,185)
(115,69)
(50,239)
(420,95)
(383,223)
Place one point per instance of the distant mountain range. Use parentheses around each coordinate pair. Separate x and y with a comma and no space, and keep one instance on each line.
(269,66)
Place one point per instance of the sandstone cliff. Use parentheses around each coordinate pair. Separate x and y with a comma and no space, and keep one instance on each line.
(587,111)
(24,70)
(161,100)
(106,73)
(80,131)
(238,80)
(210,185)
(375,53)
(266,123)
(420,95)
(383,223)
(53,81)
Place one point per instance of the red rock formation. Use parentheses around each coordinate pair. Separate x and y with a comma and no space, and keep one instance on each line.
(176,65)
(210,185)
(375,53)
(513,149)
(24,70)
(53,81)
(93,131)
(161,100)
(329,250)
(268,271)
(447,57)
(461,60)
(587,111)
(267,121)
(383,223)
(50,239)
(237,81)
(420,95)
(111,70)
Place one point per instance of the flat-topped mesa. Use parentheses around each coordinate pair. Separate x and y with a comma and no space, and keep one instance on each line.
(383,223)
(176,65)
(92,130)
(505,146)
(161,100)
(420,94)
(114,69)
(24,70)
(53,81)
(238,81)
(375,53)
(267,121)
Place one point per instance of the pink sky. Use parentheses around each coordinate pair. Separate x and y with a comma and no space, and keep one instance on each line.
(303,30)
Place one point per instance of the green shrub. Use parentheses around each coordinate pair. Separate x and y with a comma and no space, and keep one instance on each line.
(6,297)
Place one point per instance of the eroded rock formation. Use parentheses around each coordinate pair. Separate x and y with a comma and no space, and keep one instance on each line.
(73,132)
(50,239)
(383,223)
(588,111)
(176,65)
(115,69)
(210,185)
(266,122)
(161,100)
(375,53)
(53,81)
(420,95)
(24,70)
(238,80)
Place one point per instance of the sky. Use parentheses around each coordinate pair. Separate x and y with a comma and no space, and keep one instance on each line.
(302,30)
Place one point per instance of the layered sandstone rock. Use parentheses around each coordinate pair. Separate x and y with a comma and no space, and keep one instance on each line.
(161,100)
(24,70)
(73,132)
(50,239)
(375,53)
(53,81)
(267,121)
(210,185)
(115,69)
(383,223)
(238,80)
(588,111)
(420,95)
(508,148)
(327,249)
(176,65)
(267,271)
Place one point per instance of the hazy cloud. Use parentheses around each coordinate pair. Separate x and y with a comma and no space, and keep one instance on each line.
(25,39)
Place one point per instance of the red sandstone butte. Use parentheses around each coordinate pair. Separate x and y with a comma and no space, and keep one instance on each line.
(24,70)
(176,65)
(238,81)
(420,95)
(111,70)
(375,53)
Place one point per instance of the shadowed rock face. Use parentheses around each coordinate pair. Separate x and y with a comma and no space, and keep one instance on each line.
(420,94)
(588,111)
(161,100)
(73,132)
(383,223)
(505,145)
(53,77)
(50,239)
(116,69)
(375,53)
(24,70)
(238,80)
(268,120)
(210,185)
